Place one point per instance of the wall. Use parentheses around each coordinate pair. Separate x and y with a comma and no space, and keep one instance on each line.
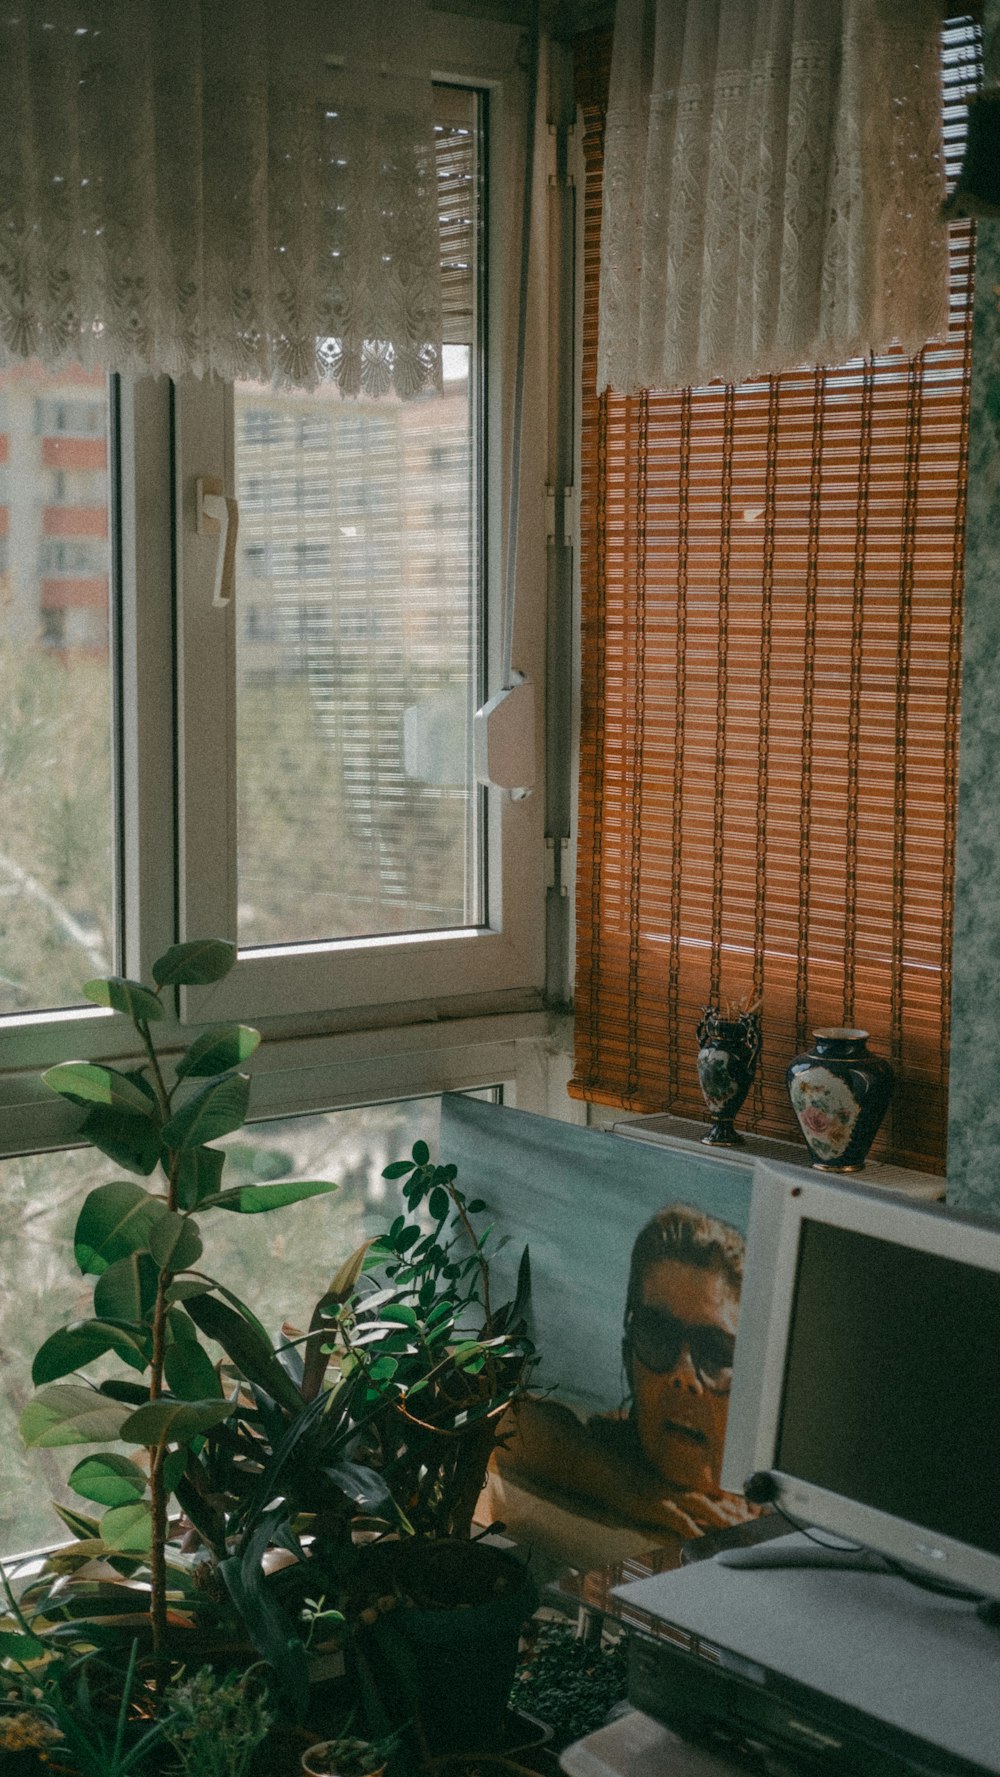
(974,1104)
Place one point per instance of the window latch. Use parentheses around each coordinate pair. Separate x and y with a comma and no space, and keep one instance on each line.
(218,516)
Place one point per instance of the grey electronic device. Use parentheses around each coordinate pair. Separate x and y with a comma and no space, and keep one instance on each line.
(866,1388)
(859,1671)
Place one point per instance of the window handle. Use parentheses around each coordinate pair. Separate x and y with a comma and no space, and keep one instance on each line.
(219,515)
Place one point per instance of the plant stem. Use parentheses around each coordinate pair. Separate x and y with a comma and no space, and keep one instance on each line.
(159,1085)
(484,1270)
(157,1456)
(158,1496)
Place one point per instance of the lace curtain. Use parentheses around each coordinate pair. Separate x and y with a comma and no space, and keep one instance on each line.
(220,185)
(773,181)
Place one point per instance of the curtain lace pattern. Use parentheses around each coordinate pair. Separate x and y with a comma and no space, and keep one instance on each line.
(194,186)
(773,182)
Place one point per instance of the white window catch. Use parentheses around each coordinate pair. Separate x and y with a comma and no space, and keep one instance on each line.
(218,515)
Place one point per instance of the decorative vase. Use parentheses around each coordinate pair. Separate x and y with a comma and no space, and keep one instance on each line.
(839,1094)
(727,1057)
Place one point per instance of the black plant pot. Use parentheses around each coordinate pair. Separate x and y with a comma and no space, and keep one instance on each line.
(446,1661)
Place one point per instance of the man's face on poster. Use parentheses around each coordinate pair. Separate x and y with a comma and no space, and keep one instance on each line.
(682,1339)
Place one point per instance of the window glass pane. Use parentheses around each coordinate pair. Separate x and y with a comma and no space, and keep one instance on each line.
(56,804)
(359,632)
(280,1264)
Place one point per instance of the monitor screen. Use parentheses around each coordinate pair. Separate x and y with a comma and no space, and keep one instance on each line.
(866,1382)
(890,1392)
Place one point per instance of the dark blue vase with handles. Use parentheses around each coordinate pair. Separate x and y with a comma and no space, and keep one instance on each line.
(839,1093)
(727,1057)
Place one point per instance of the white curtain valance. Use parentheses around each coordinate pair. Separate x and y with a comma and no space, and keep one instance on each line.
(773,182)
(220,185)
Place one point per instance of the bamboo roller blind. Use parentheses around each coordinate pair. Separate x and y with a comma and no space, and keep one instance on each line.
(772,592)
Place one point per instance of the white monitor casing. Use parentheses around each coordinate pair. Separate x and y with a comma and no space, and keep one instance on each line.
(783,1199)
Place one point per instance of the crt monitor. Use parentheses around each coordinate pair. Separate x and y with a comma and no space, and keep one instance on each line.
(866,1384)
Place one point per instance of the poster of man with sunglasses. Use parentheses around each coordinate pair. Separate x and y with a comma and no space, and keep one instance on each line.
(656,1460)
(636,1295)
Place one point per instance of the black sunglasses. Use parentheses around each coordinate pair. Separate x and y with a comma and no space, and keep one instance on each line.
(657,1339)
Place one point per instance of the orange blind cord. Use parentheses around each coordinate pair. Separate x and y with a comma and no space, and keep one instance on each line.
(772,593)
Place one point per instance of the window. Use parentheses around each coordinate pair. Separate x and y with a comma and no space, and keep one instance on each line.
(365,864)
(772,584)
(218,767)
(57,911)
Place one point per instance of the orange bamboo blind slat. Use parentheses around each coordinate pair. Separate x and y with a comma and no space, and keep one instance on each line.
(772,580)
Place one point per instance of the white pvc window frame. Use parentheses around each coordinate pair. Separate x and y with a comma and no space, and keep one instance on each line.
(348,1022)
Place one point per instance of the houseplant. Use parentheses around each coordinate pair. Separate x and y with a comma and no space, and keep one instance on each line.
(404,1374)
(442,1361)
(216,1724)
(140,1244)
(349,1755)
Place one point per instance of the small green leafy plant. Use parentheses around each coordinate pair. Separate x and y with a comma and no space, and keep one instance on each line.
(90,1745)
(441,1360)
(140,1243)
(215,1725)
(349,1756)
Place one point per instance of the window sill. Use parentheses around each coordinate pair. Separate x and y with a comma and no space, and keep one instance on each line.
(686,1134)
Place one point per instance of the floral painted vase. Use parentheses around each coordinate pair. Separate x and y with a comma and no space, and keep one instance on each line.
(727,1057)
(839,1094)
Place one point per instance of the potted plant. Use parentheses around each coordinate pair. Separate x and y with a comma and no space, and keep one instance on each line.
(405,1371)
(349,1755)
(139,1243)
(439,1615)
(216,1724)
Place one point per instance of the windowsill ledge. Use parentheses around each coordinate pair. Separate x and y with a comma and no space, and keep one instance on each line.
(687,1134)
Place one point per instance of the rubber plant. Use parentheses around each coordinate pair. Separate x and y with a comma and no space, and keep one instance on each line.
(138,1239)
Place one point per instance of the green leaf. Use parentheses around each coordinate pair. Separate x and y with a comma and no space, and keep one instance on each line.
(83,1528)
(439,1203)
(398,1169)
(469,1348)
(421,1152)
(16,1646)
(117,1389)
(399,1312)
(249,1349)
(127,1290)
(77,1345)
(108,1479)
(249,1200)
(126,996)
(190,1372)
(383,1369)
(476,1207)
(215,1110)
(174,1464)
(186,1287)
(84,1082)
(116,1219)
(194,964)
(173,1422)
(175,1242)
(217,1049)
(132,1142)
(69,1413)
(199,1176)
(129,1528)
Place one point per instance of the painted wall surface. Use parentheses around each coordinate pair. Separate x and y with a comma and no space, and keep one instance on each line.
(974,1100)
